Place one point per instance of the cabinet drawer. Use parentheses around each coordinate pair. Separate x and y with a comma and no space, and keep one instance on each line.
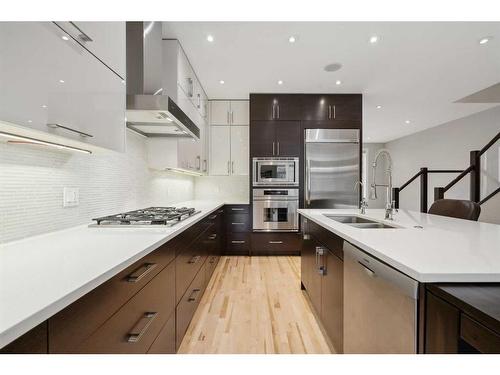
(136,325)
(238,223)
(189,262)
(69,327)
(165,341)
(275,243)
(478,336)
(32,342)
(238,244)
(210,266)
(237,209)
(188,304)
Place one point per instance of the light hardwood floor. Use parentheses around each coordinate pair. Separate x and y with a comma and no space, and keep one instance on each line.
(255,305)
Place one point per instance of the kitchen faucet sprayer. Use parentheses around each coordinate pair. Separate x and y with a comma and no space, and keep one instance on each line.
(389,204)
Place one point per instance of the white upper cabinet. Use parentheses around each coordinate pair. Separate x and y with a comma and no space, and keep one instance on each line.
(240,112)
(226,112)
(220,112)
(105,40)
(56,86)
(220,144)
(239,150)
(229,149)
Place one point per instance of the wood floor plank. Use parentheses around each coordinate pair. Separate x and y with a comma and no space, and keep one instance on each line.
(255,305)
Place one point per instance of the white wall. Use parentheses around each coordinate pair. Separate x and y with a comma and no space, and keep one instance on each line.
(447,147)
(32,180)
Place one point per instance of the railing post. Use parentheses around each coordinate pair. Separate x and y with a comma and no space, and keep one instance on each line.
(438,193)
(475,176)
(395,196)
(423,189)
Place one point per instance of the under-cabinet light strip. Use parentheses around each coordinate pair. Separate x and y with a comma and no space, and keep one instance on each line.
(29,140)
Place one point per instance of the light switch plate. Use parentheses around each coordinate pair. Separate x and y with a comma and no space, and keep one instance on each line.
(71,197)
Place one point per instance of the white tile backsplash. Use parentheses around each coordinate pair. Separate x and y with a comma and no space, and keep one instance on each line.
(225,188)
(32,179)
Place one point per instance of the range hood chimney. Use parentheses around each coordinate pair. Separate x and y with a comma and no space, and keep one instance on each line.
(149,112)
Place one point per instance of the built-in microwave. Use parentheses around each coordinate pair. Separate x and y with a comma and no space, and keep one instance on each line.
(275,171)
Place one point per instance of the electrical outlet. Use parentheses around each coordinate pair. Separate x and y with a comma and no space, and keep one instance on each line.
(71,197)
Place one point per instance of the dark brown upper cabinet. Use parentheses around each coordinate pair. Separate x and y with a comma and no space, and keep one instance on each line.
(275,107)
(274,138)
(332,107)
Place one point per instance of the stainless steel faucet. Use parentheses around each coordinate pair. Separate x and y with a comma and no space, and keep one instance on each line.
(363,204)
(389,204)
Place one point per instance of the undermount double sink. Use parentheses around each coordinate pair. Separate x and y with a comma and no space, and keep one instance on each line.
(359,222)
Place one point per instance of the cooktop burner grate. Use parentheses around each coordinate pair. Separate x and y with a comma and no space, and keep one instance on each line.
(159,216)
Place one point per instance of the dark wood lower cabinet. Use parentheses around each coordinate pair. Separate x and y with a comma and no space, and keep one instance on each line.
(32,342)
(276,244)
(322,274)
(134,328)
(238,226)
(442,325)
(165,342)
(188,304)
(332,297)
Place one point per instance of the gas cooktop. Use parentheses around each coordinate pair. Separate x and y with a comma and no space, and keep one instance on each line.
(147,217)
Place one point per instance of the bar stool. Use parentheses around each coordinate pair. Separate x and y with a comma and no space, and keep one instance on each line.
(460,209)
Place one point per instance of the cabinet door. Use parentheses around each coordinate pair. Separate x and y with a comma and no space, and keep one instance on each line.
(185,74)
(288,138)
(332,300)
(106,40)
(309,271)
(220,112)
(239,150)
(275,107)
(346,107)
(262,138)
(239,112)
(442,327)
(220,150)
(67,85)
(315,107)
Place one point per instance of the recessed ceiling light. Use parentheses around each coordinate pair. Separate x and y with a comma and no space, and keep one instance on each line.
(485,40)
(338,82)
(44,106)
(30,121)
(64,37)
(292,39)
(368,138)
(61,81)
(379,106)
(280,82)
(123,81)
(221,82)
(407,121)
(210,38)
(373,39)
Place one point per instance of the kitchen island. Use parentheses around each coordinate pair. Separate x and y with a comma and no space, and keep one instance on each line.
(369,279)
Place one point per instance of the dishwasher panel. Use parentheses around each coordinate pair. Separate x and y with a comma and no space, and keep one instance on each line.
(380,306)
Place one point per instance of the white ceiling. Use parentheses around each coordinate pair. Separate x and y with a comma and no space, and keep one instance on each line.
(416,71)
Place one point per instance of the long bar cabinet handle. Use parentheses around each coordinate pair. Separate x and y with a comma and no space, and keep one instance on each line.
(140,272)
(141,327)
(59,126)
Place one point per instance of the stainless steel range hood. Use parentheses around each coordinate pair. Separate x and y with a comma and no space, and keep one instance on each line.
(148,111)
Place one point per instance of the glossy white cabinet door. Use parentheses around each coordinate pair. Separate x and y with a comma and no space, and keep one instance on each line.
(106,40)
(220,112)
(239,150)
(185,74)
(220,150)
(47,80)
(240,112)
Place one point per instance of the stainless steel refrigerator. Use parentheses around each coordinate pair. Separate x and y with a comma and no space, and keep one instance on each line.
(332,168)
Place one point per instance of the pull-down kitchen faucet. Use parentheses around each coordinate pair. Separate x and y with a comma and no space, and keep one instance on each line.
(389,204)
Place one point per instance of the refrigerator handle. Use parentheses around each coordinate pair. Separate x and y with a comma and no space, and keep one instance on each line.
(308,183)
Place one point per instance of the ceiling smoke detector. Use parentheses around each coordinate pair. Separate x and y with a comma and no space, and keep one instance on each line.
(332,67)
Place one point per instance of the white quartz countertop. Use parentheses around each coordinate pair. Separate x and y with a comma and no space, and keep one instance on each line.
(444,250)
(41,275)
